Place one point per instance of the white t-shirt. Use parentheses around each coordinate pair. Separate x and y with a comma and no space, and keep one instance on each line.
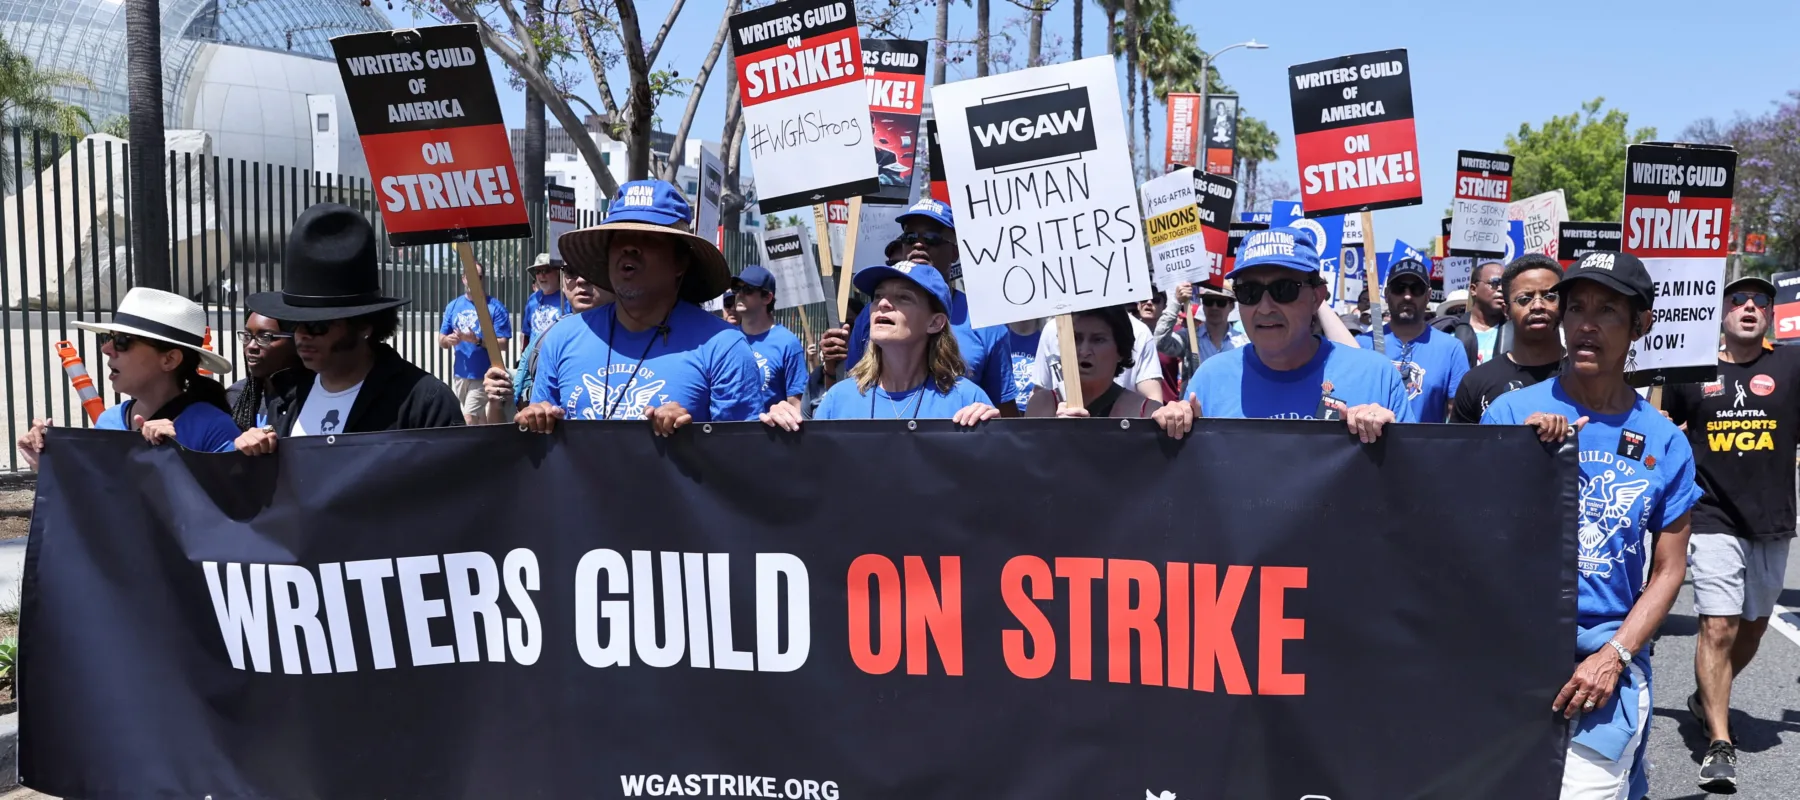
(1145,365)
(325,412)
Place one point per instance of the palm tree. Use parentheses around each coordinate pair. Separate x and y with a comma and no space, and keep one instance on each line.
(26,102)
(149,217)
(941,43)
(1171,56)
(1075,44)
(1255,144)
(982,61)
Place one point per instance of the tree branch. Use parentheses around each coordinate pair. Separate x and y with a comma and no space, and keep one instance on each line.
(693,104)
(668,23)
(596,63)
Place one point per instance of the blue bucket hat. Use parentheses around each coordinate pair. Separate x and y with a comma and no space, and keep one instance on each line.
(756,277)
(651,207)
(930,209)
(1290,248)
(922,275)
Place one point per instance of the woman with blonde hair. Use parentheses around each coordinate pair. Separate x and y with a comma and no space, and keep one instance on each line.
(912,369)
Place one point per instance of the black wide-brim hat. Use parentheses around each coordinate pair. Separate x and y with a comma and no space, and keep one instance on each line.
(330,270)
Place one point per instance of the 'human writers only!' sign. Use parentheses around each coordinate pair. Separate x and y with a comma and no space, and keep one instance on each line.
(433,135)
(806,107)
(1353,133)
(1678,220)
(1046,210)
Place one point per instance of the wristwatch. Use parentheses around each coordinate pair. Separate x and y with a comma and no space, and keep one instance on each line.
(1624,655)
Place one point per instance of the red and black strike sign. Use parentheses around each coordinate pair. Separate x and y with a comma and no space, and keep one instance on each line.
(433,136)
(940,185)
(895,72)
(1217,194)
(1678,200)
(1787,305)
(1577,239)
(1483,176)
(1353,134)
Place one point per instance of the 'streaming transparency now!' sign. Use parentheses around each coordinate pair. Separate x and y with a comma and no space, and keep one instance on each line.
(1046,209)
(1353,133)
(806,107)
(432,134)
(1678,220)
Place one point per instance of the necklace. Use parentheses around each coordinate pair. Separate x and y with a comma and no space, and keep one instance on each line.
(612,331)
(918,402)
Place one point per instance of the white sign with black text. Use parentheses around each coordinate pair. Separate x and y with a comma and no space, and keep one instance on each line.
(788,254)
(1172,221)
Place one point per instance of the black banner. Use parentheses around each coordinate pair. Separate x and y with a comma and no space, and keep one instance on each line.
(1577,239)
(1221,134)
(1039,609)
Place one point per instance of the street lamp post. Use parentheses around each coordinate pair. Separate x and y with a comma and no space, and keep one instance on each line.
(1206,78)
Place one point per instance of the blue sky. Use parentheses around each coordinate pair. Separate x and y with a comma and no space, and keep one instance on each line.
(1478,70)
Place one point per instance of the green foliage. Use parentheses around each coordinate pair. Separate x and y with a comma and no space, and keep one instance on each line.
(1582,154)
(9,655)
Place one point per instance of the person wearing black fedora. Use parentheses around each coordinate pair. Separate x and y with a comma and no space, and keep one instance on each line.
(653,354)
(331,301)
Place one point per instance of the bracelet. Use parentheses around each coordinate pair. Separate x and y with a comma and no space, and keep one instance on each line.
(1624,654)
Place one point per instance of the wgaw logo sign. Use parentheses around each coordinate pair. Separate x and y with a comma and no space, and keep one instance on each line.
(1031,130)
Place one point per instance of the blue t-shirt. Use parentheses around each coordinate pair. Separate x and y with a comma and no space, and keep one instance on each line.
(1022,352)
(984,350)
(460,317)
(781,361)
(1637,478)
(1431,367)
(202,427)
(844,401)
(542,311)
(1237,384)
(589,366)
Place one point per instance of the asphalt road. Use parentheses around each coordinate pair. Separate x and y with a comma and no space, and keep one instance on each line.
(1765,706)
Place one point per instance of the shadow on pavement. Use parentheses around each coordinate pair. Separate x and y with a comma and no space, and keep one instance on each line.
(1753,735)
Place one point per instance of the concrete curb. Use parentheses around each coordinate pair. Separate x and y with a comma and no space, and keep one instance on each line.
(9,751)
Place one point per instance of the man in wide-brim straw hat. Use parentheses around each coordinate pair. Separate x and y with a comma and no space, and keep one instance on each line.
(653,353)
(331,301)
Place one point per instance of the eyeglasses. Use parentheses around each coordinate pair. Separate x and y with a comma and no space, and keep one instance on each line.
(1739,298)
(1217,302)
(1494,282)
(930,239)
(1523,299)
(311,328)
(1286,290)
(263,338)
(1412,288)
(119,341)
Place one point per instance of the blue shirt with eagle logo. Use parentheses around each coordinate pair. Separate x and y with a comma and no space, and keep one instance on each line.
(595,369)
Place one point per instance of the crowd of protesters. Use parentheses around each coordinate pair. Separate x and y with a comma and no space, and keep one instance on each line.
(617,332)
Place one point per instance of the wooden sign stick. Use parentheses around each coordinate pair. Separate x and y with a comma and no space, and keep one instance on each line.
(1371,281)
(1069,366)
(849,270)
(1188,309)
(472,274)
(822,226)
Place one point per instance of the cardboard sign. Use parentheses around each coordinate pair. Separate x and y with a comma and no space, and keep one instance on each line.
(1046,208)
(712,186)
(879,227)
(1239,230)
(559,217)
(894,71)
(1172,224)
(940,185)
(432,133)
(1181,136)
(1457,270)
(1218,194)
(1677,219)
(788,255)
(1353,133)
(1478,212)
(1542,214)
(1221,134)
(1787,305)
(1577,239)
(837,225)
(806,106)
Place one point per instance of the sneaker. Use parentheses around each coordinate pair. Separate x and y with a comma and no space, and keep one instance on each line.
(1718,771)
(1698,709)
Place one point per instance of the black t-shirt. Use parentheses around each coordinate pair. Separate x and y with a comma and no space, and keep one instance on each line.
(1743,428)
(1492,379)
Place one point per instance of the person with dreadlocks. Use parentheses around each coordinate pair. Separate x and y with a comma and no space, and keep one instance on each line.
(267,350)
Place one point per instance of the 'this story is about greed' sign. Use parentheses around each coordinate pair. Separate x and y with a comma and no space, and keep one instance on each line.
(1678,220)
(1353,133)
(1046,208)
(433,136)
(1478,223)
(806,107)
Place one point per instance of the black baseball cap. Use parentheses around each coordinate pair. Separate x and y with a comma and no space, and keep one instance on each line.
(1621,272)
(1749,282)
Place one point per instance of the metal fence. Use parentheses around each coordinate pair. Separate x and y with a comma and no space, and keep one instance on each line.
(65,256)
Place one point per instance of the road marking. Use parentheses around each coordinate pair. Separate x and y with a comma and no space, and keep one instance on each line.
(1787,622)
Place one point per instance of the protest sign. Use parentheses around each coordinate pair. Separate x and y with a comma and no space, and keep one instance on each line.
(940,186)
(432,133)
(1221,134)
(1542,215)
(1457,270)
(1756,244)
(1218,194)
(1239,230)
(1353,133)
(1182,134)
(878,227)
(1478,211)
(1353,229)
(895,75)
(712,186)
(559,217)
(1260,217)
(1046,208)
(806,105)
(788,255)
(1677,215)
(1401,252)
(1172,224)
(837,222)
(349,637)
(1577,239)
(1787,305)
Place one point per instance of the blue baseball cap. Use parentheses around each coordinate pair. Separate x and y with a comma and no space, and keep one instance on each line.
(1289,248)
(649,207)
(655,202)
(930,209)
(924,276)
(756,277)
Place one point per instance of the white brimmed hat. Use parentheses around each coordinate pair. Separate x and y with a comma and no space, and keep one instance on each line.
(165,317)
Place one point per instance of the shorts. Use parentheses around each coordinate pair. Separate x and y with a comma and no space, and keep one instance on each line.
(1736,577)
(471,394)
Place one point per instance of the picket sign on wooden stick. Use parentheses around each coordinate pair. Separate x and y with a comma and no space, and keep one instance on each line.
(849,270)
(1372,281)
(1188,309)
(472,274)
(822,226)
(1070,367)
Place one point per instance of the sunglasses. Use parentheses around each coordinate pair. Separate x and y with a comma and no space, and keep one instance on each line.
(263,338)
(1409,288)
(311,328)
(1524,299)
(1286,290)
(1739,298)
(930,239)
(120,341)
(1216,302)
(1494,282)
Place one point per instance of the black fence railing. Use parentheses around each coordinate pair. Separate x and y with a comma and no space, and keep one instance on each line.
(65,256)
